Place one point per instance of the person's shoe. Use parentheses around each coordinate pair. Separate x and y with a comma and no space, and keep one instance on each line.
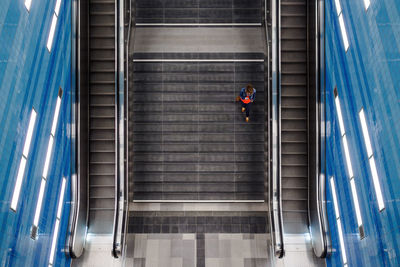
(243,109)
(247,119)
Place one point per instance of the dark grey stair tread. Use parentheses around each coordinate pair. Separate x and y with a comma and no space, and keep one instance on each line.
(100,221)
(102,174)
(102,185)
(101,1)
(101,12)
(93,70)
(294,157)
(98,36)
(101,117)
(198,56)
(199,196)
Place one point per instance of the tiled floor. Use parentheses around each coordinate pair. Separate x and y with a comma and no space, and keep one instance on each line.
(97,253)
(173,250)
(199,235)
(200,250)
(236,250)
(158,222)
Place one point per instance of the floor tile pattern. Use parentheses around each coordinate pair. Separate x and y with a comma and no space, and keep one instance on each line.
(200,250)
(198,224)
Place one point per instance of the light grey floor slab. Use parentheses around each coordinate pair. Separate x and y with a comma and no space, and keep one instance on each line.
(161,250)
(299,252)
(181,250)
(241,250)
(244,250)
(197,40)
(98,253)
(198,207)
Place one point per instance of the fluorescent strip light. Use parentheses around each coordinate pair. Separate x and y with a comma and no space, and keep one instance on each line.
(344,33)
(366,4)
(356,203)
(54,242)
(61,200)
(56,228)
(55,119)
(335,202)
(18,184)
(340,117)
(372,164)
(338,7)
(347,155)
(341,241)
(22,164)
(28,4)
(377,185)
(28,138)
(48,156)
(51,33)
(46,169)
(57,8)
(338,221)
(39,203)
(365,132)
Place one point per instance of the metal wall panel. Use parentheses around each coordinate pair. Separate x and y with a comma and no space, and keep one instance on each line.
(366,76)
(30,77)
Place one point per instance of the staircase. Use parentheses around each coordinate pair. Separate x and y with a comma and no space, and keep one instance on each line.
(294,133)
(190,140)
(101,116)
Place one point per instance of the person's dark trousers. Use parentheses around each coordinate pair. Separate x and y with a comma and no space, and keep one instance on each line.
(247,107)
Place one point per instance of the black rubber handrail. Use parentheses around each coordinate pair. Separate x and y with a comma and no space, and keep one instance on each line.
(119,227)
(317,211)
(275,194)
(78,219)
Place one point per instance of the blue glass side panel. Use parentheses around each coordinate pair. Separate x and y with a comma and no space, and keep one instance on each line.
(366,76)
(30,77)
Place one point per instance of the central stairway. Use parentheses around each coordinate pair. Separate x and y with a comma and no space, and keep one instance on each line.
(190,140)
(187,136)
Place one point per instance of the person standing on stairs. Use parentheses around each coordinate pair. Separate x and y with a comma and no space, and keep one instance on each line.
(247,96)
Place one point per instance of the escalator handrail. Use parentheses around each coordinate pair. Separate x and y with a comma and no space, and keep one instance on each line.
(78,219)
(275,145)
(116,188)
(126,181)
(320,167)
(120,177)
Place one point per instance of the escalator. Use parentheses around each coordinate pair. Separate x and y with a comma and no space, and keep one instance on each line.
(101,116)
(294,115)
(98,190)
(297,187)
(188,138)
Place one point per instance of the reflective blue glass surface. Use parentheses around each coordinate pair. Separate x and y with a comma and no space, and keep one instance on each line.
(30,77)
(366,76)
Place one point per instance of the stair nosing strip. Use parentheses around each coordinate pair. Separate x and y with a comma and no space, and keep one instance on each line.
(197,60)
(198,201)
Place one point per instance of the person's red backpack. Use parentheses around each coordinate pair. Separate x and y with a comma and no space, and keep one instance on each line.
(246,100)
